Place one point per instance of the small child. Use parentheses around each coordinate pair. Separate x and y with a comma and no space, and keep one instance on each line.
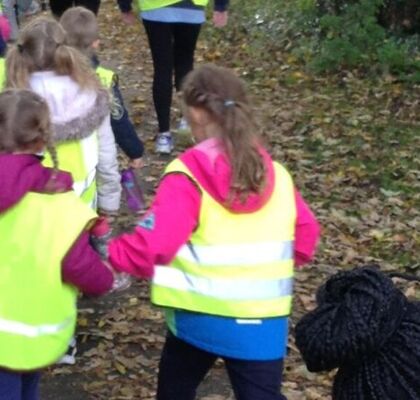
(44,249)
(220,242)
(79,109)
(81,27)
(364,326)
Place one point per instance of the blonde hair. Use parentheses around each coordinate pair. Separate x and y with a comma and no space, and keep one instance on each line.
(41,47)
(223,96)
(24,122)
(81,29)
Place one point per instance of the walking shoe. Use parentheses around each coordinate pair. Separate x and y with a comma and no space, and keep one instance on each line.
(164,143)
(183,127)
(70,356)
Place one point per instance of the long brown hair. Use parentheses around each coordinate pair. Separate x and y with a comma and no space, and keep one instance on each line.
(222,94)
(41,47)
(24,122)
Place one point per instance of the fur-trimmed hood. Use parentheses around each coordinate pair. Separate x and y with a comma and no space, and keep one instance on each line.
(75,112)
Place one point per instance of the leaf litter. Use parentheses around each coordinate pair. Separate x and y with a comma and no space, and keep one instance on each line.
(352,148)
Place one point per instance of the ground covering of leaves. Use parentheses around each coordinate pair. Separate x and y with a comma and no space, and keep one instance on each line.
(352,146)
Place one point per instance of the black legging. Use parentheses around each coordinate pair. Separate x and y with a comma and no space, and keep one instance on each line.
(59,6)
(172,46)
(183,367)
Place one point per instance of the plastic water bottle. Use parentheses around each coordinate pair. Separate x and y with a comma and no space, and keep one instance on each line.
(132,190)
(100,235)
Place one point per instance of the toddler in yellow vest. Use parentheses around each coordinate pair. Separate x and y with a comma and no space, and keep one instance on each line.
(82,32)
(45,254)
(220,242)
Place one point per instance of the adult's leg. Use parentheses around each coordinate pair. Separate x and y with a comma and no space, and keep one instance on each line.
(30,386)
(92,5)
(185,41)
(10,385)
(255,380)
(10,12)
(59,6)
(182,367)
(160,42)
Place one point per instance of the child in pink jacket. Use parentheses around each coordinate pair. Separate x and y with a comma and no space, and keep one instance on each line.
(223,231)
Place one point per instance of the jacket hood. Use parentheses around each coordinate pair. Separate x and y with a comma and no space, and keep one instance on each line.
(23,173)
(75,112)
(210,165)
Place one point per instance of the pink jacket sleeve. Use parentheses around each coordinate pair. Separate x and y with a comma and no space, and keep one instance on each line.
(83,268)
(167,225)
(307,232)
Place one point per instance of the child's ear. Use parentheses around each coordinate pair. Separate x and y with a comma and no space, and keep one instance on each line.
(198,115)
(95,44)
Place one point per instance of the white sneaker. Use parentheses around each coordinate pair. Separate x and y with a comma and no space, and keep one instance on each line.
(70,356)
(183,127)
(164,143)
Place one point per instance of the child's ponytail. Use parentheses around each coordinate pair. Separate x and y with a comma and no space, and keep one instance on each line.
(69,61)
(19,67)
(248,169)
(219,92)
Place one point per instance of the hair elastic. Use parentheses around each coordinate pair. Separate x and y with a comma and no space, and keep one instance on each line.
(229,103)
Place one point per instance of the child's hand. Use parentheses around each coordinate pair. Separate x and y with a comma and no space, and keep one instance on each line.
(220,18)
(129,18)
(137,163)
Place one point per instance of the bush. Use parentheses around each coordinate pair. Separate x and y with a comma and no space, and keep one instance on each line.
(350,35)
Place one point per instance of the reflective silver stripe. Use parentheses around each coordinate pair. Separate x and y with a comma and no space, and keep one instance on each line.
(226,289)
(90,153)
(90,150)
(19,328)
(82,186)
(237,254)
(248,321)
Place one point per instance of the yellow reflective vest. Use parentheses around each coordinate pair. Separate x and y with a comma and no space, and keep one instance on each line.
(235,265)
(145,5)
(37,310)
(80,158)
(106,76)
(2,73)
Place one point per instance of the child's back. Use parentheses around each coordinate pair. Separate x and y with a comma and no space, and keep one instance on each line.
(220,242)
(44,252)
(79,110)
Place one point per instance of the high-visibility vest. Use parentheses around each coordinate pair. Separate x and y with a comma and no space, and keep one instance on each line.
(37,310)
(2,73)
(106,76)
(145,5)
(80,158)
(234,265)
